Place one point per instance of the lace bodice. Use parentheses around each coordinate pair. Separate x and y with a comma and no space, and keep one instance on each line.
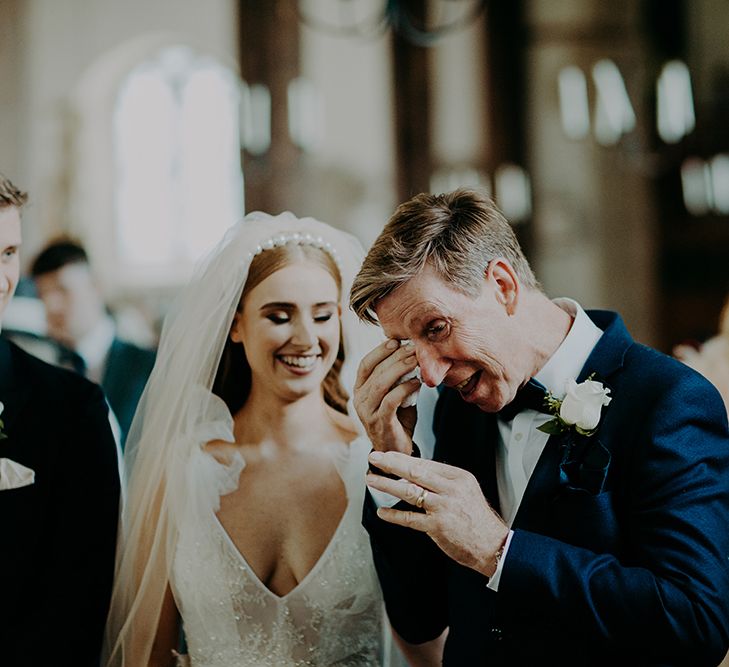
(231,619)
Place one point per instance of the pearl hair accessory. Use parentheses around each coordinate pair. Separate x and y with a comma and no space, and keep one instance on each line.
(298,239)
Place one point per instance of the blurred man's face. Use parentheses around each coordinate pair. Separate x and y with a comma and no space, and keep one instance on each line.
(72,301)
(10,260)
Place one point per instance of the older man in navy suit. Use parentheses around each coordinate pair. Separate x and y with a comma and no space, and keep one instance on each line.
(576,511)
(59,495)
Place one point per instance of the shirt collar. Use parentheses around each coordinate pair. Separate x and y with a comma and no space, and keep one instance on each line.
(569,358)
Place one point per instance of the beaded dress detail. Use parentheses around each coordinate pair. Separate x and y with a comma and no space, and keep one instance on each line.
(334,616)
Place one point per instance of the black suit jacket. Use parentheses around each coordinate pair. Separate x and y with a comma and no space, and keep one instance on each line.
(125,373)
(58,535)
(125,376)
(633,573)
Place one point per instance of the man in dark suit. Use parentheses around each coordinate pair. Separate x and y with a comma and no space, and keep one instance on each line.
(577,510)
(59,495)
(78,319)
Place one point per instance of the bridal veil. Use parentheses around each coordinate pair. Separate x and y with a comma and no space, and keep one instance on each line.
(162,435)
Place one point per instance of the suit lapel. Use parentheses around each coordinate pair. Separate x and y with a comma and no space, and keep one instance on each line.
(485,458)
(605,360)
(14,392)
(110,370)
(609,354)
(466,438)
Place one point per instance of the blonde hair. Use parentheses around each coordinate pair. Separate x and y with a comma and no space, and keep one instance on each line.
(10,195)
(457,233)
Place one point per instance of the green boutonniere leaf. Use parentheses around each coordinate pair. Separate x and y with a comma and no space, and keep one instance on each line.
(552,427)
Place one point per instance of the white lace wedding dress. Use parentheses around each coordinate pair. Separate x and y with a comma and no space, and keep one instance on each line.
(334,616)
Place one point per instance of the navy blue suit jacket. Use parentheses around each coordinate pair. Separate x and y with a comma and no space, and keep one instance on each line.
(125,376)
(634,573)
(58,535)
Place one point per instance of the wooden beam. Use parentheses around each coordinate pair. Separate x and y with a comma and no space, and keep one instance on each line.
(412,111)
(269,55)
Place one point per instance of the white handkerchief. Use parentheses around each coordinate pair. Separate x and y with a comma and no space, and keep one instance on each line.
(13,475)
(411,399)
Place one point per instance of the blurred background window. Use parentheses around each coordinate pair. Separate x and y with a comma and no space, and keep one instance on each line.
(178,178)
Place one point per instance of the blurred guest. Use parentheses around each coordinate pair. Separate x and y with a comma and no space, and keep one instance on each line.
(59,495)
(24,323)
(78,318)
(711,359)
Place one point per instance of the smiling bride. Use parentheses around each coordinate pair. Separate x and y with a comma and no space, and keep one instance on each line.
(242,528)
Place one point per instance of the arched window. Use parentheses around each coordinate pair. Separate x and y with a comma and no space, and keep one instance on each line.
(178,182)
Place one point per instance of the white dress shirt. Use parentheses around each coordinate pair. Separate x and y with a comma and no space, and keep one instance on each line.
(423,436)
(520,443)
(94,348)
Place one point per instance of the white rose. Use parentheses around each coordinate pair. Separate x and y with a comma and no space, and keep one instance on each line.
(583,404)
(2,407)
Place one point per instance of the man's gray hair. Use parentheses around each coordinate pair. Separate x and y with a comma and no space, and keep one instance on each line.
(457,233)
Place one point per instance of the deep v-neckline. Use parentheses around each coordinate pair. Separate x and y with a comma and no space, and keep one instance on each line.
(317,564)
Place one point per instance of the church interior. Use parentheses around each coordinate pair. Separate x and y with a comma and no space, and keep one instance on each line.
(145,128)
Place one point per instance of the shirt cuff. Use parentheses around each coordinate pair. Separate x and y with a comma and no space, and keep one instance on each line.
(496,576)
(381,498)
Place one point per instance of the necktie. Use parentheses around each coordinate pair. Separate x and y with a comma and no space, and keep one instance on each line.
(71,359)
(532,396)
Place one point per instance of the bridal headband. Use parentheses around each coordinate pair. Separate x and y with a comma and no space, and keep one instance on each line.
(297,238)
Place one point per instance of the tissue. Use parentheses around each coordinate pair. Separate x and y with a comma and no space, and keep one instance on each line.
(411,399)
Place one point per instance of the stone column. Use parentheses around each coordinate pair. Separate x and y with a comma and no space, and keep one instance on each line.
(594,222)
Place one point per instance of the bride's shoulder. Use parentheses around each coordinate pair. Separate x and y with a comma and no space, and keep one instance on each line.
(357,444)
(222,451)
(215,466)
(345,426)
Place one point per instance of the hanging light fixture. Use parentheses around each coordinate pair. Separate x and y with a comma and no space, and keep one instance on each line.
(255,118)
(675,116)
(368,19)
(614,115)
(573,104)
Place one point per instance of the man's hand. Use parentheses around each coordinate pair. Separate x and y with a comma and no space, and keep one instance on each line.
(377,397)
(457,517)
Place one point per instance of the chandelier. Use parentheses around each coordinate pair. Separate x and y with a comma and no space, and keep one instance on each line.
(420,23)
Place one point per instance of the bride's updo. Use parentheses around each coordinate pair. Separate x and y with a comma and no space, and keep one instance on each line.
(233,377)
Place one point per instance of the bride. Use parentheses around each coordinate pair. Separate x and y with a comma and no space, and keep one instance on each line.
(242,528)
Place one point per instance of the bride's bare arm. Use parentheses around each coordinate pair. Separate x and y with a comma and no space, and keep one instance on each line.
(167,636)
(427,654)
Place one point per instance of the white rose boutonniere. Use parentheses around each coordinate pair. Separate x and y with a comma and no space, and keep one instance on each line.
(584,460)
(580,409)
(2,426)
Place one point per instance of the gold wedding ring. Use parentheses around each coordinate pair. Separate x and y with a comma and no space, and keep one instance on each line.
(421,498)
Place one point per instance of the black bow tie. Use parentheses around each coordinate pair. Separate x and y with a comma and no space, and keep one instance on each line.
(532,396)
